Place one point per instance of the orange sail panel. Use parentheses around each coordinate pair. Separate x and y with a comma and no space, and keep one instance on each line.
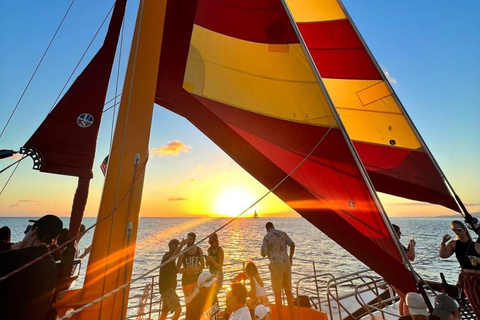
(249,88)
(387,144)
(65,142)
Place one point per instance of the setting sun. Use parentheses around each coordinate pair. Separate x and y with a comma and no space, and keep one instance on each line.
(233,202)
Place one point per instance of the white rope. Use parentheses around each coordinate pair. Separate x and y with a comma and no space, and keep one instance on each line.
(144,275)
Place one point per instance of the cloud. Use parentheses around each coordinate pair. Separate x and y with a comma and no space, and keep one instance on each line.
(177,199)
(200,167)
(390,79)
(173,148)
(188,182)
(400,204)
(24,202)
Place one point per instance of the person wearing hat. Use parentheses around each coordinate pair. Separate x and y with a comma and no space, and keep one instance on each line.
(29,293)
(416,307)
(237,302)
(167,281)
(205,303)
(261,312)
(446,308)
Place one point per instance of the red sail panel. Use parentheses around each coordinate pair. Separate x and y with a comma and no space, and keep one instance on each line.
(67,138)
(259,101)
(387,144)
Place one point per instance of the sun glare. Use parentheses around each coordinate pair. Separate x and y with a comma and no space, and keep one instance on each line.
(233,202)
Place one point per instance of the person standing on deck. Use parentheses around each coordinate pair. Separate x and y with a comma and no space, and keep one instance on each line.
(167,281)
(192,261)
(410,252)
(214,259)
(274,246)
(467,253)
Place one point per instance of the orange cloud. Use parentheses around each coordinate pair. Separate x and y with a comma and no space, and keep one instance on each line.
(19,203)
(173,148)
(176,199)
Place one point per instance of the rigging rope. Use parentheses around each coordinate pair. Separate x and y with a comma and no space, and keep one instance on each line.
(36,68)
(80,234)
(144,275)
(11,175)
(81,58)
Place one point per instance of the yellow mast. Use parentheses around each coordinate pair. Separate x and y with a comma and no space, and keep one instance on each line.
(113,247)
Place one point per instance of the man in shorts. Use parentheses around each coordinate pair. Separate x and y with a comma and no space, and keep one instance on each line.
(274,246)
(168,281)
(190,264)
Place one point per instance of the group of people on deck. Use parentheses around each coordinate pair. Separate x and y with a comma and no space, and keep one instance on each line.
(467,253)
(200,288)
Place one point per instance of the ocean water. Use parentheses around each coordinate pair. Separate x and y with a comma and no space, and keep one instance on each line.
(242,238)
(241,241)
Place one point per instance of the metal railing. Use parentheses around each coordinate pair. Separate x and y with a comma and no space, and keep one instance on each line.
(144,301)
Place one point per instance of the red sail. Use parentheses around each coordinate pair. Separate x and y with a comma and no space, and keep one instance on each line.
(236,70)
(65,142)
(389,146)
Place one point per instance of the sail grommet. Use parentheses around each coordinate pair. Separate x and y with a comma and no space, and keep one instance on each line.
(351,204)
(392,142)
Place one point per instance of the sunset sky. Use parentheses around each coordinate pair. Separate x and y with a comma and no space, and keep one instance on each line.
(429,51)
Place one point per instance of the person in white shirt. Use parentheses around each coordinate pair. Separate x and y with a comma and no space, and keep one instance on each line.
(237,302)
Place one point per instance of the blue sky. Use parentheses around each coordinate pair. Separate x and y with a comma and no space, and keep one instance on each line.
(430,50)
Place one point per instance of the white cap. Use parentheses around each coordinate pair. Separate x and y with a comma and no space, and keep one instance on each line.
(261,311)
(416,305)
(205,279)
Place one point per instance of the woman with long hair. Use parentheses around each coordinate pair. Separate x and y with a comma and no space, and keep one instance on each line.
(467,253)
(214,259)
(257,293)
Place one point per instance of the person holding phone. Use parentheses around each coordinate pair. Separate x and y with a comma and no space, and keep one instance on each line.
(464,247)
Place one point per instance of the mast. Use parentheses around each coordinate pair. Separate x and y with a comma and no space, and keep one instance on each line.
(111,258)
(353,151)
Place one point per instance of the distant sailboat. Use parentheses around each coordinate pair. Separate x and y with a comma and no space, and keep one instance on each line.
(255,214)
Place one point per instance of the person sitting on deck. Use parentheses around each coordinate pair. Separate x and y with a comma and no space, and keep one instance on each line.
(257,294)
(5,238)
(261,312)
(205,303)
(416,307)
(446,308)
(237,302)
(29,293)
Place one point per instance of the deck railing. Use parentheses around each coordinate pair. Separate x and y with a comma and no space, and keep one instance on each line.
(144,301)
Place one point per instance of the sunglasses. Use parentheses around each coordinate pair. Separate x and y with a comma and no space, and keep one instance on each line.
(457,229)
(29,227)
